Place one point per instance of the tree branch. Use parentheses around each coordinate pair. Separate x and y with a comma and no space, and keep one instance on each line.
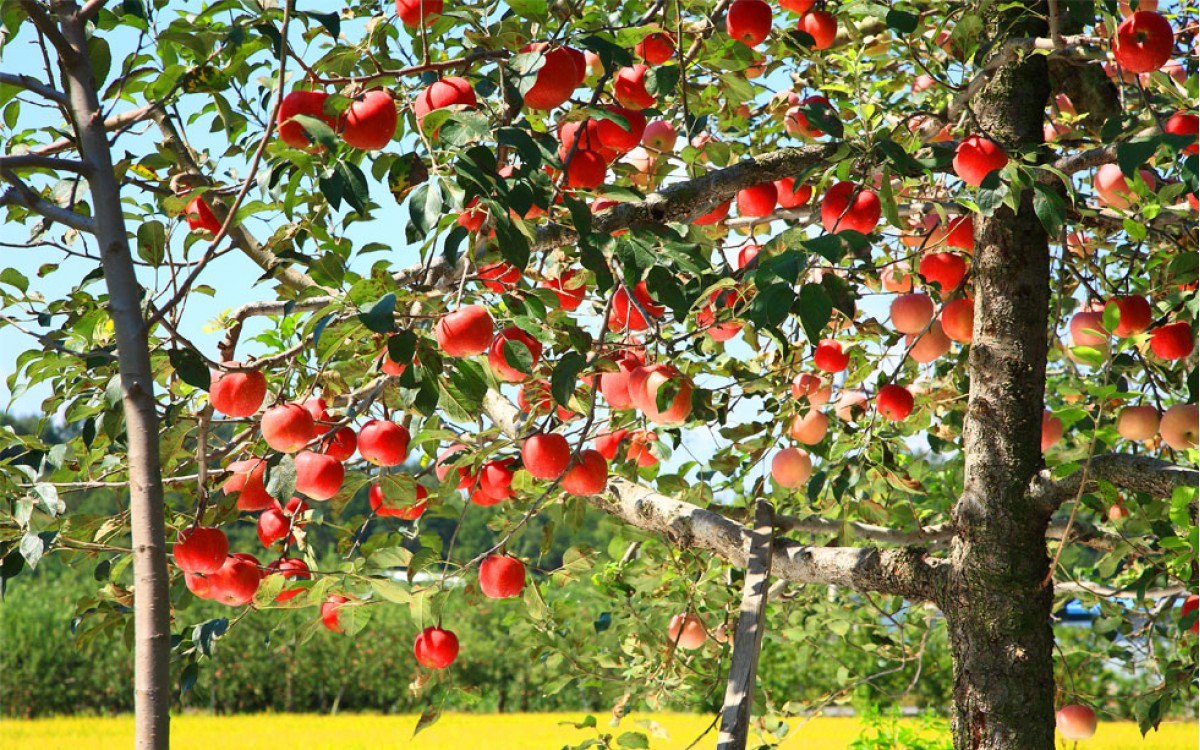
(1124,471)
(30,83)
(1108,592)
(45,24)
(36,161)
(20,194)
(115,122)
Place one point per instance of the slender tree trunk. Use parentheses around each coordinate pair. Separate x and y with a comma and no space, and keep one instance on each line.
(997,609)
(152,635)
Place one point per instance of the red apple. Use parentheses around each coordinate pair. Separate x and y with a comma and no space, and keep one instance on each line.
(1087,329)
(1190,605)
(715,216)
(789,195)
(1076,722)
(829,356)
(464,332)
(546,455)
(810,428)
(976,157)
(639,450)
(498,277)
(656,48)
(687,631)
(201,549)
(287,428)
(1178,426)
(414,13)
(609,443)
(897,277)
(589,475)
(958,320)
(1172,341)
(961,233)
(625,315)
(292,569)
(644,385)
(944,269)
(618,137)
(410,512)
(501,577)
(237,580)
(329,612)
(199,584)
(796,122)
(318,475)
(570,288)
(629,87)
(535,397)
(383,443)
(1052,431)
(370,121)
(1114,190)
(911,312)
(246,478)
(758,200)
(660,136)
(821,25)
(586,170)
(436,648)
(791,468)
(311,103)
(930,345)
(1180,123)
(498,360)
(341,445)
(894,402)
(748,21)
(1143,42)
(450,91)
(1135,315)
(812,387)
(557,79)
(797,6)
(495,479)
(842,208)
(238,394)
(614,386)
(200,216)
(1138,422)
(721,299)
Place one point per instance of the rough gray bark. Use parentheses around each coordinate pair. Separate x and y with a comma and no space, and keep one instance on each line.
(996,606)
(152,634)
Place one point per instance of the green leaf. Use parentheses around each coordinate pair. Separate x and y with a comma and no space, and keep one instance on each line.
(425,207)
(14,278)
(633,740)
(565,375)
(771,305)
(660,81)
(1050,208)
(462,128)
(280,477)
(815,311)
(428,719)
(905,23)
(152,242)
(381,317)
(518,356)
(317,130)
(191,368)
(534,9)
(1133,154)
(355,189)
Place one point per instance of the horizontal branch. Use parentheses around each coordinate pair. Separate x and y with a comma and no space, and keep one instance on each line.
(1094,157)
(39,161)
(116,122)
(1109,592)
(20,194)
(1127,472)
(29,83)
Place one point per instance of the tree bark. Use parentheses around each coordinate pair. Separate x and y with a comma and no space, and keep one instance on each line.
(152,634)
(997,610)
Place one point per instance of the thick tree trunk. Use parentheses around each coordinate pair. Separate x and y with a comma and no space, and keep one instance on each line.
(152,635)
(997,609)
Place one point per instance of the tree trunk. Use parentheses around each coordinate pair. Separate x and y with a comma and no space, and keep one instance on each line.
(997,610)
(152,635)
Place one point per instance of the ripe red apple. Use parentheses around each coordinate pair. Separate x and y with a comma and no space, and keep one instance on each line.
(237,580)
(570,288)
(499,361)
(1114,190)
(922,82)
(311,103)
(1189,605)
(721,299)
(451,91)
(1117,511)
(341,445)
(842,208)
(586,170)
(796,122)
(644,385)
(961,233)
(200,216)
(1135,315)
(810,428)
(687,631)
(715,216)
(821,25)
(501,577)
(656,48)
(318,475)
(812,387)
(287,428)
(1180,123)
(757,200)
(829,356)
(201,549)
(495,480)
(411,512)
(976,157)
(546,455)
(625,315)
(498,277)
(1138,422)
(850,405)
(748,21)
(370,121)
(1076,722)
(789,195)
(1052,431)
(292,569)
(535,398)
(237,394)
(894,402)
(614,386)
(246,478)
(199,584)
(911,312)
(557,79)
(589,475)
(383,443)
(791,468)
(897,277)
(329,612)
(944,269)
(747,254)
(958,320)
(930,345)
(660,136)
(1087,329)
(1143,42)
(464,332)
(1172,341)
(629,88)
(414,13)
(797,6)
(1179,426)
(275,523)
(618,137)
(639,450)
(609,443)
(436,648)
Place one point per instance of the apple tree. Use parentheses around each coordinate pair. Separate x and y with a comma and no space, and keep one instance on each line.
(909,288)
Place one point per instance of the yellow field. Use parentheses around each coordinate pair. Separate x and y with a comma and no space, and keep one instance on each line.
(466,732)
